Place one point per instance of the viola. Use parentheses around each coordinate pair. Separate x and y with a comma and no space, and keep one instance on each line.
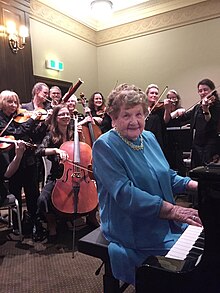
(8,141)
(90,131)
(23,115)
(75,192)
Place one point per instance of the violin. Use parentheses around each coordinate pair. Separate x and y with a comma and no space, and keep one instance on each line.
(101,112)
(6,142)
(209,99)
(23,115)
(158,104)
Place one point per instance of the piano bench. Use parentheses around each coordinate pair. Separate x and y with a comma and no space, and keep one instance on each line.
(95,244)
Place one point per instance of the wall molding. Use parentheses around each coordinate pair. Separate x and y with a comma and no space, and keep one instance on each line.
(164,21)
(59,21)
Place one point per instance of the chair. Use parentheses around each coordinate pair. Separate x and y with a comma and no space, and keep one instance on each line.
(11,204)
(47,166)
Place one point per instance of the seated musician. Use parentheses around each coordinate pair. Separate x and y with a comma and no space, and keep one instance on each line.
(9,165)
(60,132)
(135,184)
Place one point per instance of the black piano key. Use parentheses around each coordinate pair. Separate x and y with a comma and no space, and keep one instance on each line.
(195,252)
(199,244)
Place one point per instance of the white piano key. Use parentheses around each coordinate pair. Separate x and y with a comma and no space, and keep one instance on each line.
(185,243)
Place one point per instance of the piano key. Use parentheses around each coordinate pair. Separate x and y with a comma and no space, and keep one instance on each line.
(185,243)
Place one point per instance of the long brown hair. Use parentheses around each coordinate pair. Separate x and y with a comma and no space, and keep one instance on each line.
(57,136)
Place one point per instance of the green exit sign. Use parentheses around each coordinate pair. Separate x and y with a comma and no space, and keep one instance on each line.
(54,65)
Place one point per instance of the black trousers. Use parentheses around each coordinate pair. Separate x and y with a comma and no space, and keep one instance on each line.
(26,178)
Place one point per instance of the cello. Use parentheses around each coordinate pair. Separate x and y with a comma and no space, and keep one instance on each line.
(90,131)
(75,192)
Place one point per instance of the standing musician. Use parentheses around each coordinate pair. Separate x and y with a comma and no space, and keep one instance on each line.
(98,111)
(26,175)
(204,120)
(175,99)
(97,107)
(71,106)
(138,212)
(39,100)
(158,115)
(55,96)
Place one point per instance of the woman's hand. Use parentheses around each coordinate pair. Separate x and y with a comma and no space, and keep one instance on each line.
(20,148)
(186,215)
(177,113)
(62,154)
(192,185)
(190,216)
(98,119)
(85,120)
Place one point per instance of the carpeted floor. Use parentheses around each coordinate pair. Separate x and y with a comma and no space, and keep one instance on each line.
(45,268)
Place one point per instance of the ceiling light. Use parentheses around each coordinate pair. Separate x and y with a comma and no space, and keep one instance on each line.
(101,8)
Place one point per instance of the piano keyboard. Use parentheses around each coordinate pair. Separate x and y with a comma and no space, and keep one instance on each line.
(190,243)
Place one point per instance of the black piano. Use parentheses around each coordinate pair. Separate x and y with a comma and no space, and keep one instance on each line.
(199,271)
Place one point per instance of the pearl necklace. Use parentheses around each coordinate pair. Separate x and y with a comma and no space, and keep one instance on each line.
(130,144)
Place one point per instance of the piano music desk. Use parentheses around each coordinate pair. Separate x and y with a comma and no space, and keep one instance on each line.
(95,244)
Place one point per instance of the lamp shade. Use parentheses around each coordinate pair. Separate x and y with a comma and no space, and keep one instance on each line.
(101,8)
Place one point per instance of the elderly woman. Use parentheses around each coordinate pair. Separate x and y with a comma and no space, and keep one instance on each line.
(136,186)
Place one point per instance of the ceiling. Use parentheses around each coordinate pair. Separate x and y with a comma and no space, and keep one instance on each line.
(124,11)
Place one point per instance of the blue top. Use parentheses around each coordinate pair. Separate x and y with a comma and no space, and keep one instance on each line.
(131,187)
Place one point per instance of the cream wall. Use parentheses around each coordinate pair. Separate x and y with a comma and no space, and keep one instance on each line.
(178,58)
(177,49)
(79,57)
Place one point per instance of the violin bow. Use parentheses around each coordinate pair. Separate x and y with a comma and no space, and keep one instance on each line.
(161,95)
(6,126)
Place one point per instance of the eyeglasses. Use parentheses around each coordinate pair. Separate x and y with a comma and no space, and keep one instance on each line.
(64,115)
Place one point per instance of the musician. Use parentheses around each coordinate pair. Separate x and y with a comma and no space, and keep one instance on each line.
(26,175)
(71,104)
(9,165)
(59,133)
(39,99)
(138,212)
(97,107)
(158,115)
(204,120)
(55,95)
(174,151)
(40,93)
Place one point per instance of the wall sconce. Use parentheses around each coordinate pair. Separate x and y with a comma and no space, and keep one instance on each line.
(16,39)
